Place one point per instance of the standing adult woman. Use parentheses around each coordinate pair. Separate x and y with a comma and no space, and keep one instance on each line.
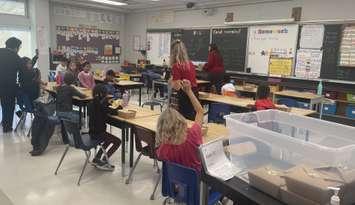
(183,69)
(215,67)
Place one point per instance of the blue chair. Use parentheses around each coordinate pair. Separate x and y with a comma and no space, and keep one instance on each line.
(288,102)
(26,107)
(217,111)
(79,141)
(182,184)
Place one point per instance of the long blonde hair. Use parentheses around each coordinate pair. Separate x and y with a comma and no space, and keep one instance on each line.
(171,128)
(178,53)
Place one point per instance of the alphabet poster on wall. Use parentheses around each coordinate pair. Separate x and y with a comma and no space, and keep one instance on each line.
(265,41)
(309,63)
(347,47)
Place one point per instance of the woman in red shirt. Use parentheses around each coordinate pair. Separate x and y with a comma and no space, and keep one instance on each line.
(215,67)
(183,69)
(263,101)
(178,143)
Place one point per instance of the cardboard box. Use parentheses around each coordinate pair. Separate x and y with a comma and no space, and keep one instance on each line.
(267,180)
(311,184)
(291,198)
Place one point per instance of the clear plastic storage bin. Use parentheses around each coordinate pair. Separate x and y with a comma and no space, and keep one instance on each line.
(284,140)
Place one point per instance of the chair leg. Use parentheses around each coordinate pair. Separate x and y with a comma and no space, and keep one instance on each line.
(104,152)
(152,197)
(61,159)
(29,131)
(133,168)
(21,121)
(88,154)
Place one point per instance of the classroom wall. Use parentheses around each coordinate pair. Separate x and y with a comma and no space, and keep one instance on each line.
(67,20)
(137,23)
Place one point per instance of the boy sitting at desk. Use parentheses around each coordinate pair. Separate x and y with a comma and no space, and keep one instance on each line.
(109,83)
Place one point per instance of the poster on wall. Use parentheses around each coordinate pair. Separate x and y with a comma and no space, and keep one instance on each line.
(312,36)
(347,47)
(280,66)
(158,47)
(309,63)
(264,41)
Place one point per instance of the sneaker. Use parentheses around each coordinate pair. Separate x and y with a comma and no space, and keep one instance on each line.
(105,167)
(108,164)
(96,162)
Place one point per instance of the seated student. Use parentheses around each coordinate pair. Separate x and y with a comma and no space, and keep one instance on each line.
(65,94)
(109,82)
(263,101)
(178,143)
(60,70)
(73,68)
(86,78)
(98,111)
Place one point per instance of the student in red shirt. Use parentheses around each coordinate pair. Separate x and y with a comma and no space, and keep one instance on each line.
(263,101)
(183,69)
(178,143)
(215,67)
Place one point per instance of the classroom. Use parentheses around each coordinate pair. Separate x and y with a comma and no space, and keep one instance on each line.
(196,102)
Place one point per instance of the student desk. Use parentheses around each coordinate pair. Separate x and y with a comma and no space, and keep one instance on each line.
(202,84)
(313,99)
(125,125)
(148,119)
(137,77)
(80,102)
(245,103)
(126,85)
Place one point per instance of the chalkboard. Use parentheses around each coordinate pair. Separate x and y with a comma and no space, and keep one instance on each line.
(331,46)
(175,35)
(232,44)
(197,42)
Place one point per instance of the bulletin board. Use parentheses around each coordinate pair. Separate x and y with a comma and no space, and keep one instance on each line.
(97,46)
(158,47)
(266,41)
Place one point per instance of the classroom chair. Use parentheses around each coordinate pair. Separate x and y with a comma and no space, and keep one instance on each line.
(26,107)
(145,145)
(217,111)
(182,184)
(81,141)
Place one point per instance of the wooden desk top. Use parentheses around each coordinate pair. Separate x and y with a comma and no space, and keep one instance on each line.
(141,113)
(202,82)
(50,87)
(121,82)
(244,102)
(214,130)
(241,89)
(234,101)
(297,94)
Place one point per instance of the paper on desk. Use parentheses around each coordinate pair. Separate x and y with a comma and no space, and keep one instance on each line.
(216,162)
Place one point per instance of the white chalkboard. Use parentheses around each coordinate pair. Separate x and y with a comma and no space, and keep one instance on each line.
(158,47)
(264,41)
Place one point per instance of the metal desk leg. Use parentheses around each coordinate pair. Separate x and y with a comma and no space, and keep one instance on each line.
(140,96)
(123,152)
(203,194)
(80,115)
(131,151)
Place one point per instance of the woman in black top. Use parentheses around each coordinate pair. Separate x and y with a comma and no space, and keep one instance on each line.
(98,111)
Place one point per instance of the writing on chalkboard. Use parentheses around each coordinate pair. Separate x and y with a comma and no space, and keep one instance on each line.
(232,46)
(197,42)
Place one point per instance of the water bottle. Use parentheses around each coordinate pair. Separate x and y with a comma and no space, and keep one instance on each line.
(125,99)
(320,88)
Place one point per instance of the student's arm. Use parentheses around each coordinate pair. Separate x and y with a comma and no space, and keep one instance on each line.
(77,93)
(194,101)
(82,80)
(106,107)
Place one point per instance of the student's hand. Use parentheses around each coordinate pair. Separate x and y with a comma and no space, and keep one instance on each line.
(186,84)
(177,84)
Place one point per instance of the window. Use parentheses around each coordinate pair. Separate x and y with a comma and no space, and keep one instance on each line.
(22,34)
(14,7)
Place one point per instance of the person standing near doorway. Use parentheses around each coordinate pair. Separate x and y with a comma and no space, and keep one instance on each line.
(10,65)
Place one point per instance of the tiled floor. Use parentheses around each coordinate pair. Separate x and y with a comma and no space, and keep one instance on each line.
(27,180)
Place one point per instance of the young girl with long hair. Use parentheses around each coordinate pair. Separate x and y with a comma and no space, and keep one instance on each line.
(183,69)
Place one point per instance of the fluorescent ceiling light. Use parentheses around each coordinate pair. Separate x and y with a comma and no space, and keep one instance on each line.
(115,3)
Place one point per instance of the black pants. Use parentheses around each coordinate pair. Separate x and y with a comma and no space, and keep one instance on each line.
(8,108)
(108,139)
(185,106)
(216,79)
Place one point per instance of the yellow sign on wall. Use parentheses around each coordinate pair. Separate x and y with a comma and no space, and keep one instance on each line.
(280,66)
